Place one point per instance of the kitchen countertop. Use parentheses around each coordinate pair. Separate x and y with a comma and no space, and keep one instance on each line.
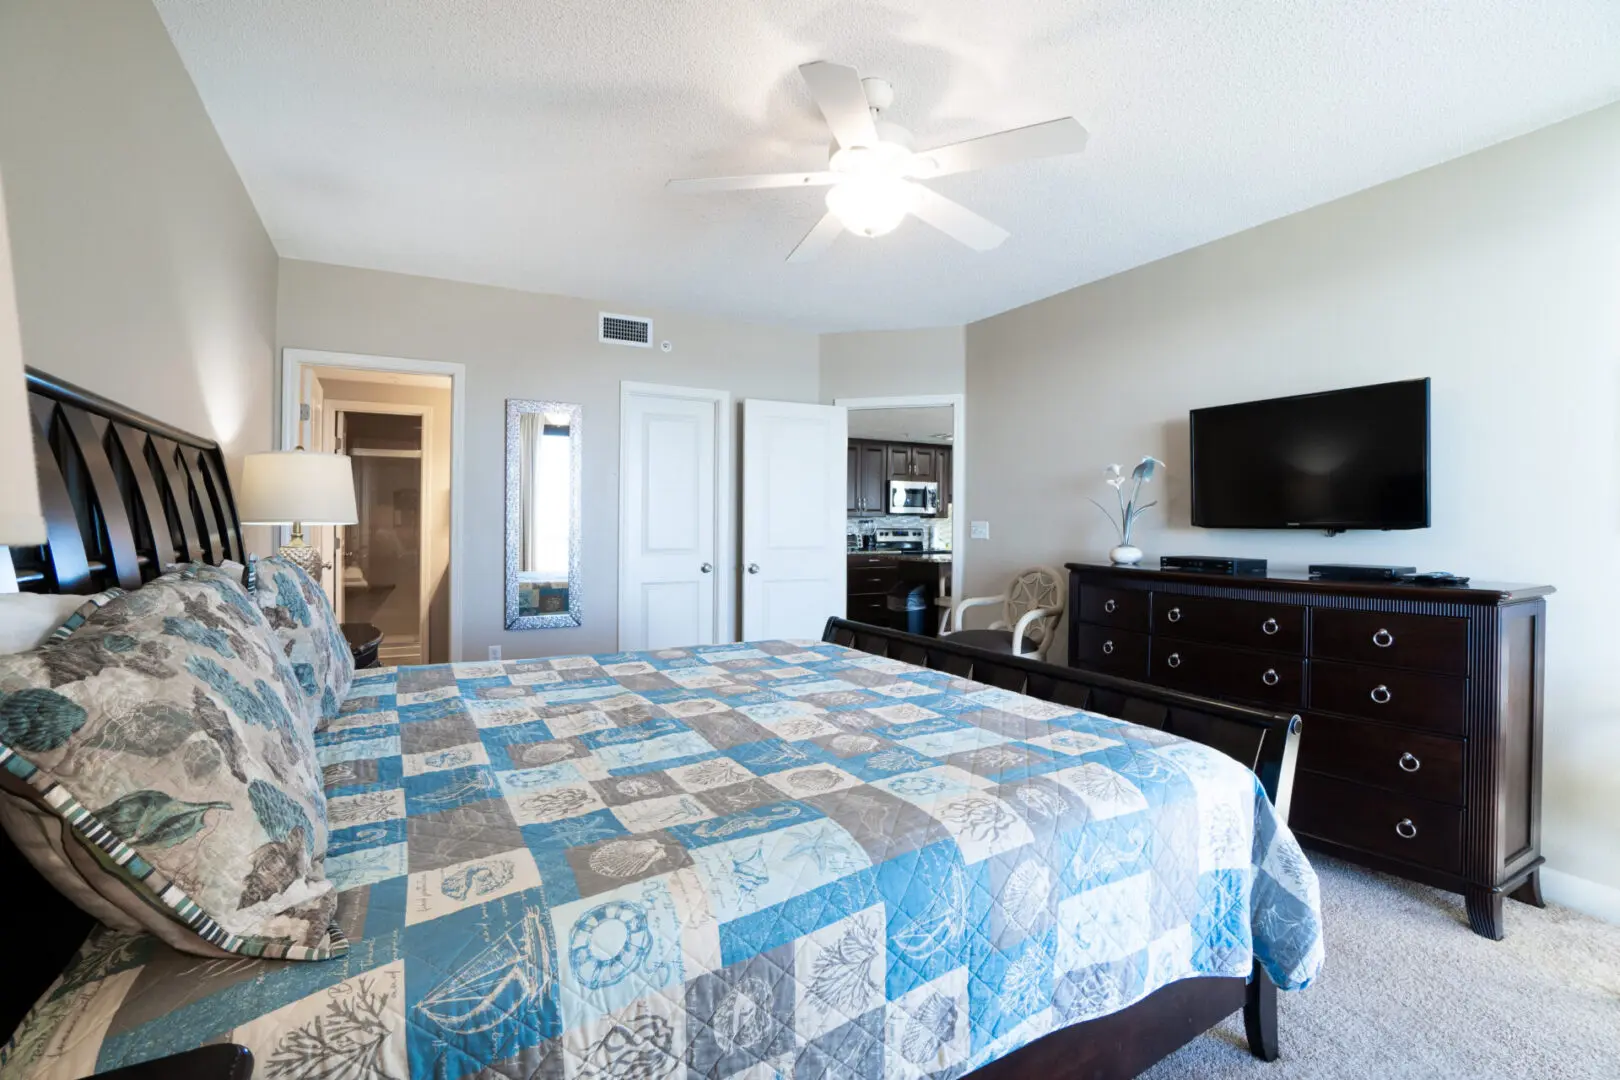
(908,556)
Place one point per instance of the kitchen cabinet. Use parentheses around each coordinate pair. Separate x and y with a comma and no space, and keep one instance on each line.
(872,463)
(908,461)
(868,483)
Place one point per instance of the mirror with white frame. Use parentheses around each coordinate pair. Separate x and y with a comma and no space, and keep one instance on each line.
(542,514)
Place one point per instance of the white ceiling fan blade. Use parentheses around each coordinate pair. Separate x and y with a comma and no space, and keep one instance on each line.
(1050,139)
(842,100)
(957,221)
(705,184)
(818,239)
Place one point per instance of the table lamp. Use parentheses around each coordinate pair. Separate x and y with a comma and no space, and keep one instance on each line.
(297,488)
(21,521)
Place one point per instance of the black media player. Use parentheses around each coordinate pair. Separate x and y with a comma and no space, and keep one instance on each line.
(1214,564)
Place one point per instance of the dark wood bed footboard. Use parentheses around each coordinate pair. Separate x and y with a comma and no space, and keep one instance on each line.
(1124,1043)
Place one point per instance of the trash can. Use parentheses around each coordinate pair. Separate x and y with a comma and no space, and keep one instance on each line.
(908,607)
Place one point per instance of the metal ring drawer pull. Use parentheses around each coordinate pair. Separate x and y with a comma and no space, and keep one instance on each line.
(1110,605)
(1381,694)
(1174,614)
(1383,638)
(1410,763)
(1108,648)
(1269,627)
(1270,677)
(1174,659)
(1405,829)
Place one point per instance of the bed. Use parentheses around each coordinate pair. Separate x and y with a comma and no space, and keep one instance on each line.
(870,855)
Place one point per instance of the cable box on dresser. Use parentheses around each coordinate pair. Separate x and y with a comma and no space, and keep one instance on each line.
(1420,754)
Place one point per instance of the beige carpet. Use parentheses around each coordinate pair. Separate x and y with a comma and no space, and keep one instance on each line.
(1408,991)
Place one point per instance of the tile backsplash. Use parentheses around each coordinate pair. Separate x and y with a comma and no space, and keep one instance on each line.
(938,535)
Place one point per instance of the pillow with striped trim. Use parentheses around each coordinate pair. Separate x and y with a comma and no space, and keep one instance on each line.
(164,731)
(307,628)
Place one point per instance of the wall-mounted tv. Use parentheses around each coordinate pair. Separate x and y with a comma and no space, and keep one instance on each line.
(1345,459)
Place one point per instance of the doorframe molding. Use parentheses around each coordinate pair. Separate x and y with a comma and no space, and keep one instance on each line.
(425,515)
(295,362)
(725,494)
(958,403)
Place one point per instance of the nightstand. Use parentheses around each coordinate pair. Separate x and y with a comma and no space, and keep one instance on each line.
(363,639)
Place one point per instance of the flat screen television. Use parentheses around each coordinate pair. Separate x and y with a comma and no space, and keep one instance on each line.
(1345,459)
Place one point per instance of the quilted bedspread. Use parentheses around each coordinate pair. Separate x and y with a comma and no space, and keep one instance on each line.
(770,859)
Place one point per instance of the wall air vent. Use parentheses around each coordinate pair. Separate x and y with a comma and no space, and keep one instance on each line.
(624,330)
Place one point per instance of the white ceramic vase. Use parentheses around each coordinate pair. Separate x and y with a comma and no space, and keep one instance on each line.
(1125,555)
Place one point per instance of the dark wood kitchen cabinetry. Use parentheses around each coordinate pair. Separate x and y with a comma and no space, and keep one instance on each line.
(873,463)
(868,477)
(1420,753)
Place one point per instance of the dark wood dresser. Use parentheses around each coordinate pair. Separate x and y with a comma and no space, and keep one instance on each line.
(1421,749)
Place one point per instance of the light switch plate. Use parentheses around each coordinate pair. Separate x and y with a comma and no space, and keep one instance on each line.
(978,530)
(494,652)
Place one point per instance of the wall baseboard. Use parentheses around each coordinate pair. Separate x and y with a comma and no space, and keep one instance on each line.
(1592,897)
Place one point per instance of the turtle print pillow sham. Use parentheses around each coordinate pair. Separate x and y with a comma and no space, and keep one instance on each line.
(307,629)
(163,730)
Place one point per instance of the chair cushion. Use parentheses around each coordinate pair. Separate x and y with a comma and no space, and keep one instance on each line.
(309,635)
(993,641)
(163,730)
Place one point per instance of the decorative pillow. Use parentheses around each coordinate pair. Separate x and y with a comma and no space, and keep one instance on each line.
(308,630)
(27,619)
(165,731)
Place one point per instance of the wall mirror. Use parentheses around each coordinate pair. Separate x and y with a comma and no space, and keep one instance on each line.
(542,514)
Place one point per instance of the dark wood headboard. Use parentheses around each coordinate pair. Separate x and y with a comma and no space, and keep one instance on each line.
(123,495)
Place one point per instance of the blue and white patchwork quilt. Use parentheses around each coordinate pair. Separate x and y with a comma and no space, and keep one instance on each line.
(765,860)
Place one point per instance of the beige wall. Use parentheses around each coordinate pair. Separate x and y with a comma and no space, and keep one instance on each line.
(888,363)
(142,270)
(529,345)
(437,404)
(1498,275)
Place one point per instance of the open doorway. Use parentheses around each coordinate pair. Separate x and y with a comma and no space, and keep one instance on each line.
(903,528)
(391,573)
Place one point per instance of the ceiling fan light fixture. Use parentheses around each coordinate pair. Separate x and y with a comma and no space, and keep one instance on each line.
(871,206)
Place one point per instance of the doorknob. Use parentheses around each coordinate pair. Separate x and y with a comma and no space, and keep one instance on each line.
(706,567)
(753,568)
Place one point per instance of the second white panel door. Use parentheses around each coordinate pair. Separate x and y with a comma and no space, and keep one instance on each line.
(794,551)
(670,580)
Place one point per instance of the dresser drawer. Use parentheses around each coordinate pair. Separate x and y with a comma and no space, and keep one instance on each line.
(1246,623)
(1382,822)
(1217,671)
(1124,608)
(1392,758)
(1116,652)
(867,582)
(1424,642)
(1394,695)
(865,561)
(868,609)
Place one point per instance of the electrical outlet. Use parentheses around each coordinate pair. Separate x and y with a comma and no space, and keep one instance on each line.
(494,652)
(978,530)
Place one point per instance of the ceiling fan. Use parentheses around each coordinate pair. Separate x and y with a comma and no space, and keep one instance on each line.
(872,171)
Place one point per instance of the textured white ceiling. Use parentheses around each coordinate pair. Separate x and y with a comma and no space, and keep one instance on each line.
(923,425)
(525,142)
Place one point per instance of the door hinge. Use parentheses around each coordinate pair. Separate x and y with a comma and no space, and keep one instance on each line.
(303,410)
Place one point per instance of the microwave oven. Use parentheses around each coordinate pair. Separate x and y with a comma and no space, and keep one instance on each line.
(913,497)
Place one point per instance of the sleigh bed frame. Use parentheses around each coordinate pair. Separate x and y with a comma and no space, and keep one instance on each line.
(125,494)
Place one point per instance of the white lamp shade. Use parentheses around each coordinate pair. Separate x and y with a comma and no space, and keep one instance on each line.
(21,521)
(284,486)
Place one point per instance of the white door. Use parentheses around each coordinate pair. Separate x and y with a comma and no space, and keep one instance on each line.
(669,578)
(794,551)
